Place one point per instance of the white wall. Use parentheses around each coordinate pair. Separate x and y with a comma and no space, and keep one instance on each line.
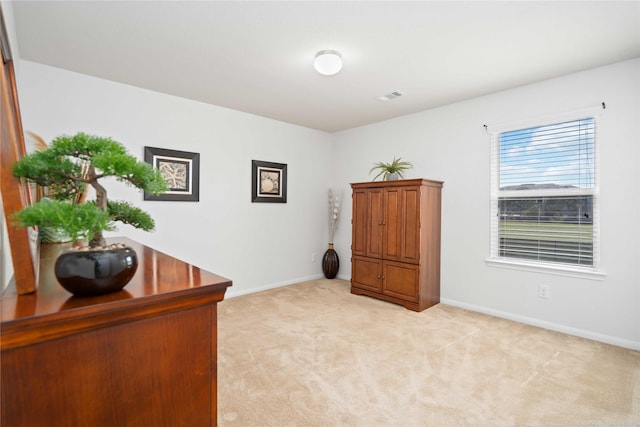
(9,21)
(257,245)
(6,262)
(264,245)
(450,144)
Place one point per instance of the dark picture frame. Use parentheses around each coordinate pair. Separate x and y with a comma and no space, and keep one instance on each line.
(181,170)
(268,182)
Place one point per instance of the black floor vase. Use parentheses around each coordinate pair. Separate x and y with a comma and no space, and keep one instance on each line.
(330,263)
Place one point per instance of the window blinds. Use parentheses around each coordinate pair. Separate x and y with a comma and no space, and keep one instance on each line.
(544,203)
(548,157)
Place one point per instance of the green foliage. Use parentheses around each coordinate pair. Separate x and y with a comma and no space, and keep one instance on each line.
(50,169)
(78,221)
(61,164)
(396,166)
(71,163)
(128,214)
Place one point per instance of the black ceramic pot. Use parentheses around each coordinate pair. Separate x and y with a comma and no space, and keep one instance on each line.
(96,272)
(330,263)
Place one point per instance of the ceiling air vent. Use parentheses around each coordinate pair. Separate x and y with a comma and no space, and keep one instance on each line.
(390,96)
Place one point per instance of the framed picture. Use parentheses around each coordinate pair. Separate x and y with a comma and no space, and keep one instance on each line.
(268,182)
(181,170)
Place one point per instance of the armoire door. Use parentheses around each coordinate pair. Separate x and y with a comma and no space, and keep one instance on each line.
(375,223)
(392,224)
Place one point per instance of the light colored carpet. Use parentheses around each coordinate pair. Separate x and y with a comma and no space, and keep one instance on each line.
(312,354)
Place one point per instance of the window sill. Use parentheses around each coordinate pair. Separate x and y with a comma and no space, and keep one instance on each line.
(560,270)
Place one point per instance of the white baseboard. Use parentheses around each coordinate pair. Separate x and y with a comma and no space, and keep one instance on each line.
(231,293)
(607,339)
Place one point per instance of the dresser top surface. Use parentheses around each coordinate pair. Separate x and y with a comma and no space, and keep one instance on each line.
(158,277)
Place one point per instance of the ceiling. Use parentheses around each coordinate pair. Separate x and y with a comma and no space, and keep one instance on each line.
(257,57)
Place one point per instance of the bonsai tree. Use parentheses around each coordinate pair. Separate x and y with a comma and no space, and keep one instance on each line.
(66,168)
(396,166)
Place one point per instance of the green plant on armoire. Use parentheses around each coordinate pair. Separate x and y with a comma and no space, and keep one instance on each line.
(390,171)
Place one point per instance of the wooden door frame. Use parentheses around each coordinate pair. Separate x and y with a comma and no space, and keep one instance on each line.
(15,195)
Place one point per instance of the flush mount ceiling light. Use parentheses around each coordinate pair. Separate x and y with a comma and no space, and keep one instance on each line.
(328,62)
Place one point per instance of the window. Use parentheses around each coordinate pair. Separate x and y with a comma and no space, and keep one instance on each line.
(544,194)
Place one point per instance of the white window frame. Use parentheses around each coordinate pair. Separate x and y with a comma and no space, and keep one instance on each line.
(495,260)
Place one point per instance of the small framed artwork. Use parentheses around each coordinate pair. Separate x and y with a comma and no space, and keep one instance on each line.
(181,170)
(268,182)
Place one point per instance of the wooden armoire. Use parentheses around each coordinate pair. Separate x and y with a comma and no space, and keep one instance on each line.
(396,241)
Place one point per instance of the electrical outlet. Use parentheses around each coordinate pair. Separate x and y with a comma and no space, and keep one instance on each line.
(543,291)
(313,257)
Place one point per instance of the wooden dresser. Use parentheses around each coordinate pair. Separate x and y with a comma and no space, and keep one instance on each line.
(396,241)
(144,356)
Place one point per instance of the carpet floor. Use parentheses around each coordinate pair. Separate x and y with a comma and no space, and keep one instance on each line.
(312,354)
